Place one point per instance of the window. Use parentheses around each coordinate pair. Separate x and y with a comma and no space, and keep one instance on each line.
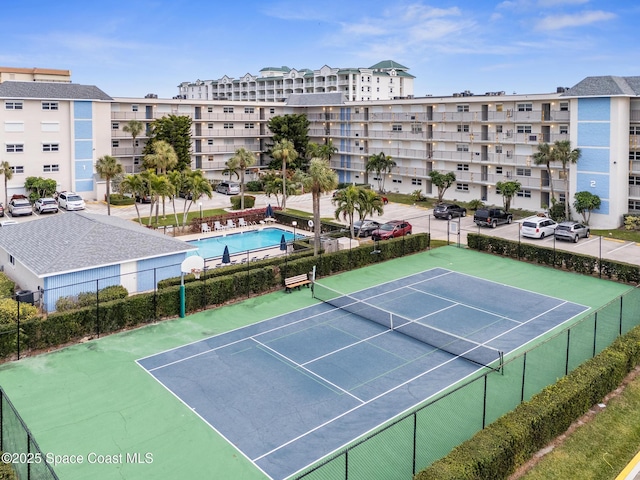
(498,148)
(12,105)
(210,158)
(272,110)
(17,169)
(249,110)
(564,106)
(115,143)
(462,187)
(564,129)
(416,128)
(49,105)
(498,170)
(209,126)
(50,147)
(523,128)
(634,205)
(498,107)
(12,260)
(115,126)
(15,148)
(634,130)
(523,172)
(524,194)
(498,128)
(210,141)
(209,109)
(561,197)
(462,108)
(51,168)
(634,180)
(634,155)
(249,125)
(416,181)
(396,127)
(396,180)
(525,107)
(228,125)
(227,110)
(462,147)
(463,128)
(463,167)
(134,108)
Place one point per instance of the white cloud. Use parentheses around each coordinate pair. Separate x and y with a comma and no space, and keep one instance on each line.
(557,22)
(557,3)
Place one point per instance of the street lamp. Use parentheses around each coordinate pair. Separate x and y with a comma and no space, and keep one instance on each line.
(294,223)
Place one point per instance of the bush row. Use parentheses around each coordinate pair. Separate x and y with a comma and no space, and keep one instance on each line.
(498,450)
(215,287)
(584,264)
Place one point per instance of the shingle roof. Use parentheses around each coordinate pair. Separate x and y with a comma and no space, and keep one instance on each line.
(314,99)
(52,90)
(72,241)
(605,86)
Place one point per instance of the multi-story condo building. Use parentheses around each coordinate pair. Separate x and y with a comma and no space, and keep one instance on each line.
(483,139)
(382,81)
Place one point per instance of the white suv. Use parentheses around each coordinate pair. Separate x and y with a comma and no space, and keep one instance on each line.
(70,201)
(538,227)
(228,188)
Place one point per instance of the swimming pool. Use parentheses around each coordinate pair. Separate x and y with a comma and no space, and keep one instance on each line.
(241,242)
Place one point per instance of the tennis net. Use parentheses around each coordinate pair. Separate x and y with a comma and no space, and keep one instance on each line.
(434,337)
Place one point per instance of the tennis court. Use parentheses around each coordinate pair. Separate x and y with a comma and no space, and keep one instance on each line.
(291,389)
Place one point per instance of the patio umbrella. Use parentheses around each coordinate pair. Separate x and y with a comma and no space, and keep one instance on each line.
(269,211)
(226,258)
(283,243)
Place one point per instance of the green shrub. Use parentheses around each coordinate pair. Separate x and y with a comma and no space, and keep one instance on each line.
(9,311)
(7,286)
(254,186)
(475,204)
(249,201)
(86,299)
(119,199)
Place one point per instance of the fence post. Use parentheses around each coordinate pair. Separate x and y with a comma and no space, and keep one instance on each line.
(97,308)
(18,325)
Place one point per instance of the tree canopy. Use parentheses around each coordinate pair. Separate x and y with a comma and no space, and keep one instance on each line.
(294,128)
(176,131)
(442,181)
(585,203)
(508,191)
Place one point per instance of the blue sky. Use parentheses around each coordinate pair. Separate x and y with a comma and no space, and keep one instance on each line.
(131,48)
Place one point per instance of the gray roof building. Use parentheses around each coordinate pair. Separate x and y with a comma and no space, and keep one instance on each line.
(605,86)
(67,242)
(52,90)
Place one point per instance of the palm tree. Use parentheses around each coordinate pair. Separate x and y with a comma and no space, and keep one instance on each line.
(195,185)
(347,202)
(162,160)
(544,156)
(369,202)
(108,167)
(285,151)
(242,160)
(135,185)
(176,179)
(563,153)
(319,179)
(134,128)
(381,165)
(7,171)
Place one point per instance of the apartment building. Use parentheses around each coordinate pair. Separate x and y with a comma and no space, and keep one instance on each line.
(483,139)
(382,81)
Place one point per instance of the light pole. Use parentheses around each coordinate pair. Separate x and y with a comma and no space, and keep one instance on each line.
(200,205)
(294,223)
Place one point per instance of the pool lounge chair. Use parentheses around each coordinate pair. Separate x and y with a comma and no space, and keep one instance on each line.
(242,223)
(230,224)
(217,225)
(205,228)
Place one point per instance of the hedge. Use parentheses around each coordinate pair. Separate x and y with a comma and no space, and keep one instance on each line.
(215,287)
(584,264)
(498,450)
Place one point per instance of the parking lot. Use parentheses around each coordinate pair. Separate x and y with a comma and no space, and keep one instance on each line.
(422,220)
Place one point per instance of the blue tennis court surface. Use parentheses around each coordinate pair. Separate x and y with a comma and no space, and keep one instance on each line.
(290,390)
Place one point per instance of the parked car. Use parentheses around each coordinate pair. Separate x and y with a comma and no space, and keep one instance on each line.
(228,188)
(144,198)
(538,227)
(1,210)
(492,217)
(572,231)
(449,210)
(70,201)
(365,227)
(46,204)
(395,228)
(20,205)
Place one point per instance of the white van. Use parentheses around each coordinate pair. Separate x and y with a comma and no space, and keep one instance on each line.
(228,188)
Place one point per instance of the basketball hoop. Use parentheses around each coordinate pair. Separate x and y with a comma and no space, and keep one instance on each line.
(196,272)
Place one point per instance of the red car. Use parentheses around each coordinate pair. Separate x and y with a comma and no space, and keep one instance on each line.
(395,228)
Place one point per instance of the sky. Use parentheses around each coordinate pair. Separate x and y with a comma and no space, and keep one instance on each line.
(135,47)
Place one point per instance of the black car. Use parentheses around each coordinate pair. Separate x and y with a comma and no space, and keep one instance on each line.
(365,227)
(449,210)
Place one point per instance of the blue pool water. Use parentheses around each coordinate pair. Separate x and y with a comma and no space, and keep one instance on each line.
(241,242)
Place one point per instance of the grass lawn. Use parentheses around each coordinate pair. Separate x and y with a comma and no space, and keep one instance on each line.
(601,448)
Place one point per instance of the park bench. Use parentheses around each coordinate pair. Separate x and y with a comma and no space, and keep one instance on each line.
(296,282)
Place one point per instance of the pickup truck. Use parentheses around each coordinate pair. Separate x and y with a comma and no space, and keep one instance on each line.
(492,217)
